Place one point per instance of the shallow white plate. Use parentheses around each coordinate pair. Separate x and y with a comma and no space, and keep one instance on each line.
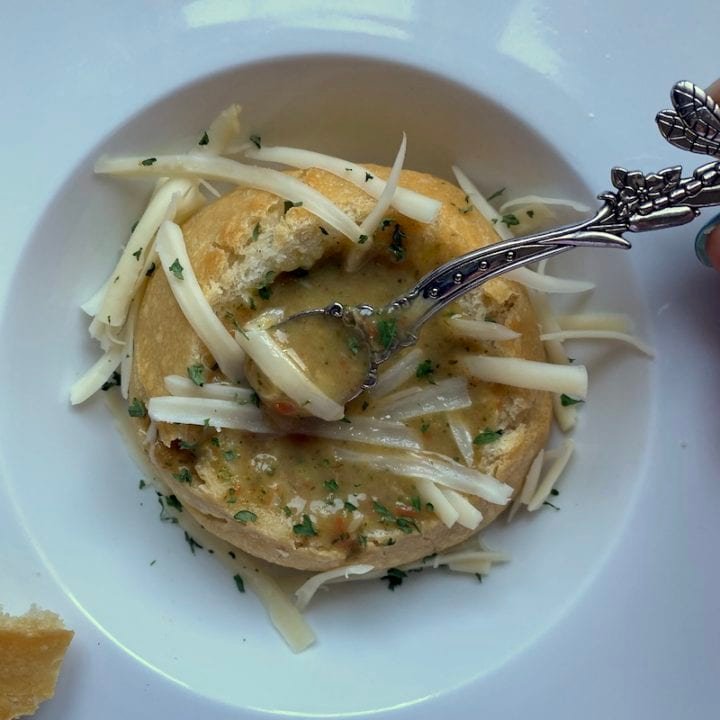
(609,606)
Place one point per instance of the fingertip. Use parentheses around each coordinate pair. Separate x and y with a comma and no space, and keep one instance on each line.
(712,248)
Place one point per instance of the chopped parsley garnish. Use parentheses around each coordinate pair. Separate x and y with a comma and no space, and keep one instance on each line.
(192,543)
(394,577)
(265,292)
(137,254)
(197,374)
(430,507)
(530,214)
(330,485)
(113,381)
(387,330)
(346,419)
(230,455)
(256,232)
(365,405)
(487,436)
(407,525)
(368,176)
(204,140)
(133,226)
(466,209)
(424,426)
(424,369)
(510,220)
(396,245)
(554,507)
(306,527)
(256,140)
(137,408)
(173,502)
(323,230)
(290,204)
(255,399)
(177,269)
(183,475)
(287,511)
(245,516)
(362,239)
(567,401)
(141,484)
(148,161)
(150,270)
(385,223)
(416,503)
(382,511)
(215,441)
(353,345)
(555,492)
(349,506)
(496,194)
(206,423)
(185,445)
(239,583)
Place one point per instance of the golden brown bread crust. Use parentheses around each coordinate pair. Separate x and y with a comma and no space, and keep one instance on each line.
(229,265)
(32,648)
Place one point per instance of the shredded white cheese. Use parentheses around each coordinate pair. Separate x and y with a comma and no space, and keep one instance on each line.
(397,374)
(185,387)
(359,429)
(531,374)
(225,170)
(280,368)
(443,396)
(410,203)
(442,507)
(528,489)
(307,590)
(463,438)
(617,322)
(480,329)
(547,483)
(195,307)
(208,412)
(468,515)
(527,200)
(96,376)
(563,335)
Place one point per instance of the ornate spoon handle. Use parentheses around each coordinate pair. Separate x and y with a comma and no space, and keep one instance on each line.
(639,203)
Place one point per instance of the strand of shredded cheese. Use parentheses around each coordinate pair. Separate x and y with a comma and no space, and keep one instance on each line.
(551,476)
(562,335)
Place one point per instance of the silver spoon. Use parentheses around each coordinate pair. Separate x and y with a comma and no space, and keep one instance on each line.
(639,203)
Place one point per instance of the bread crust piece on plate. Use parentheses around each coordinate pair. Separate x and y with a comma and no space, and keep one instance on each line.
(251,252)
(32,648)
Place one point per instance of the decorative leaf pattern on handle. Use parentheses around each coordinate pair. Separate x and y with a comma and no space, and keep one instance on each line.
(694,124)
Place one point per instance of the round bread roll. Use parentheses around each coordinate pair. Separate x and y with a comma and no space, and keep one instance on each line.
(287,498)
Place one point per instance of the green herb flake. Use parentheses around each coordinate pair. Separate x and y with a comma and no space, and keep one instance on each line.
(407,525)
(349,506)
(424,426)
(206,423)
(239,583)
(287,511)
(353,345)
(204,140)
(396,246)
(256,140)
(256,232)
(387,330)
(197,374)
(134,226)
(554,492)
(148,161)
(137,254)
(466,209)
(330,485)
(567,401)
(192,543)
(416,503)
(183,475)
(113,381)
(173,502)
(255,399)
(386,223)
(362,239)
(152,563)
(383,512)
(394,578)
(424,369)
(496,194)
(368,176)
(323,230)
(346,419)
(288,204)
(306,527)
(137,408)
(150,270)
(530,214)
(365,405)
(141,484)
(185,445)
(554,507)
(362,540)
(177,269)
(487,436)
(230,455)
(215,441)
(245,516)
(265,292)
(429,507)
(510,220)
